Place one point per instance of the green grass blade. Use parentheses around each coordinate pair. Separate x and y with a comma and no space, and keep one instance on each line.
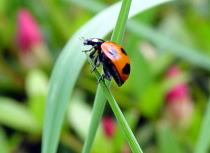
(191,55)
(122,121)
(204,136)
(100,100)
(97,112)
(69,64)
(118,114)
(119,29)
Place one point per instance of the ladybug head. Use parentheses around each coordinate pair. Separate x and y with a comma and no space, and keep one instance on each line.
(93,41)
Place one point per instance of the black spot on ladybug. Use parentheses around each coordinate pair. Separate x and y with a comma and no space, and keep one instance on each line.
(123,51)
(126,69)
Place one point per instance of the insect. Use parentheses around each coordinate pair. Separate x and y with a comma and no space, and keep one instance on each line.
(112,56)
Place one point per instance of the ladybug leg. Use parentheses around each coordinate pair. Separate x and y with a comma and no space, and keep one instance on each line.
(89,50)
(106,66)
(101,78)
(92,53)
(94,49)
(96,63)
(107,74)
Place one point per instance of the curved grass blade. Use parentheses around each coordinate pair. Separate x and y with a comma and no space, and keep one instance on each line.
(68,66)
(117,35)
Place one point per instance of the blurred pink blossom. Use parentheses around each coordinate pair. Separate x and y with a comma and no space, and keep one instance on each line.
(179,91)
(28,31)
(109,125)
(179,105)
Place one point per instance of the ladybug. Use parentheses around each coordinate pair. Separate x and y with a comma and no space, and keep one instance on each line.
(112,56)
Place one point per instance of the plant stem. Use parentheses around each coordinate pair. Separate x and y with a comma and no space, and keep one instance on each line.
(97,113)
(119,30)
(100,100)
(122,121)
(118,114)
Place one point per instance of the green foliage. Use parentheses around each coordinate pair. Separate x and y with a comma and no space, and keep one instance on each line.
(100,99)
(167,44)
(4,144)
(17,116)
(204,136)
(68,67)
(36,86)
(156,39)
(167,141)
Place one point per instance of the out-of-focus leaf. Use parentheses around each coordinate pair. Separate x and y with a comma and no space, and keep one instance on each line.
(199,26)
(36,88)
(193,56)
(4,144)
(151,105)
(140,74)
(166,141)
(204,136)
(9,143)
(17,116)
(79,115)
(173,26)
(2,7)
(91,5)
(145,134)
(151,100)
(36,83)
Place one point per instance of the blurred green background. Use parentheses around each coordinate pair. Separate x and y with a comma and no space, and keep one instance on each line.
(164,99)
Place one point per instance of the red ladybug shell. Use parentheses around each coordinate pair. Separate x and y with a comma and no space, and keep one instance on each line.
(118,58)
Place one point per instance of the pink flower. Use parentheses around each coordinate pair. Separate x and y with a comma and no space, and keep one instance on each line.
(28,32)
(179,106)
(179,91)
(109,125)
